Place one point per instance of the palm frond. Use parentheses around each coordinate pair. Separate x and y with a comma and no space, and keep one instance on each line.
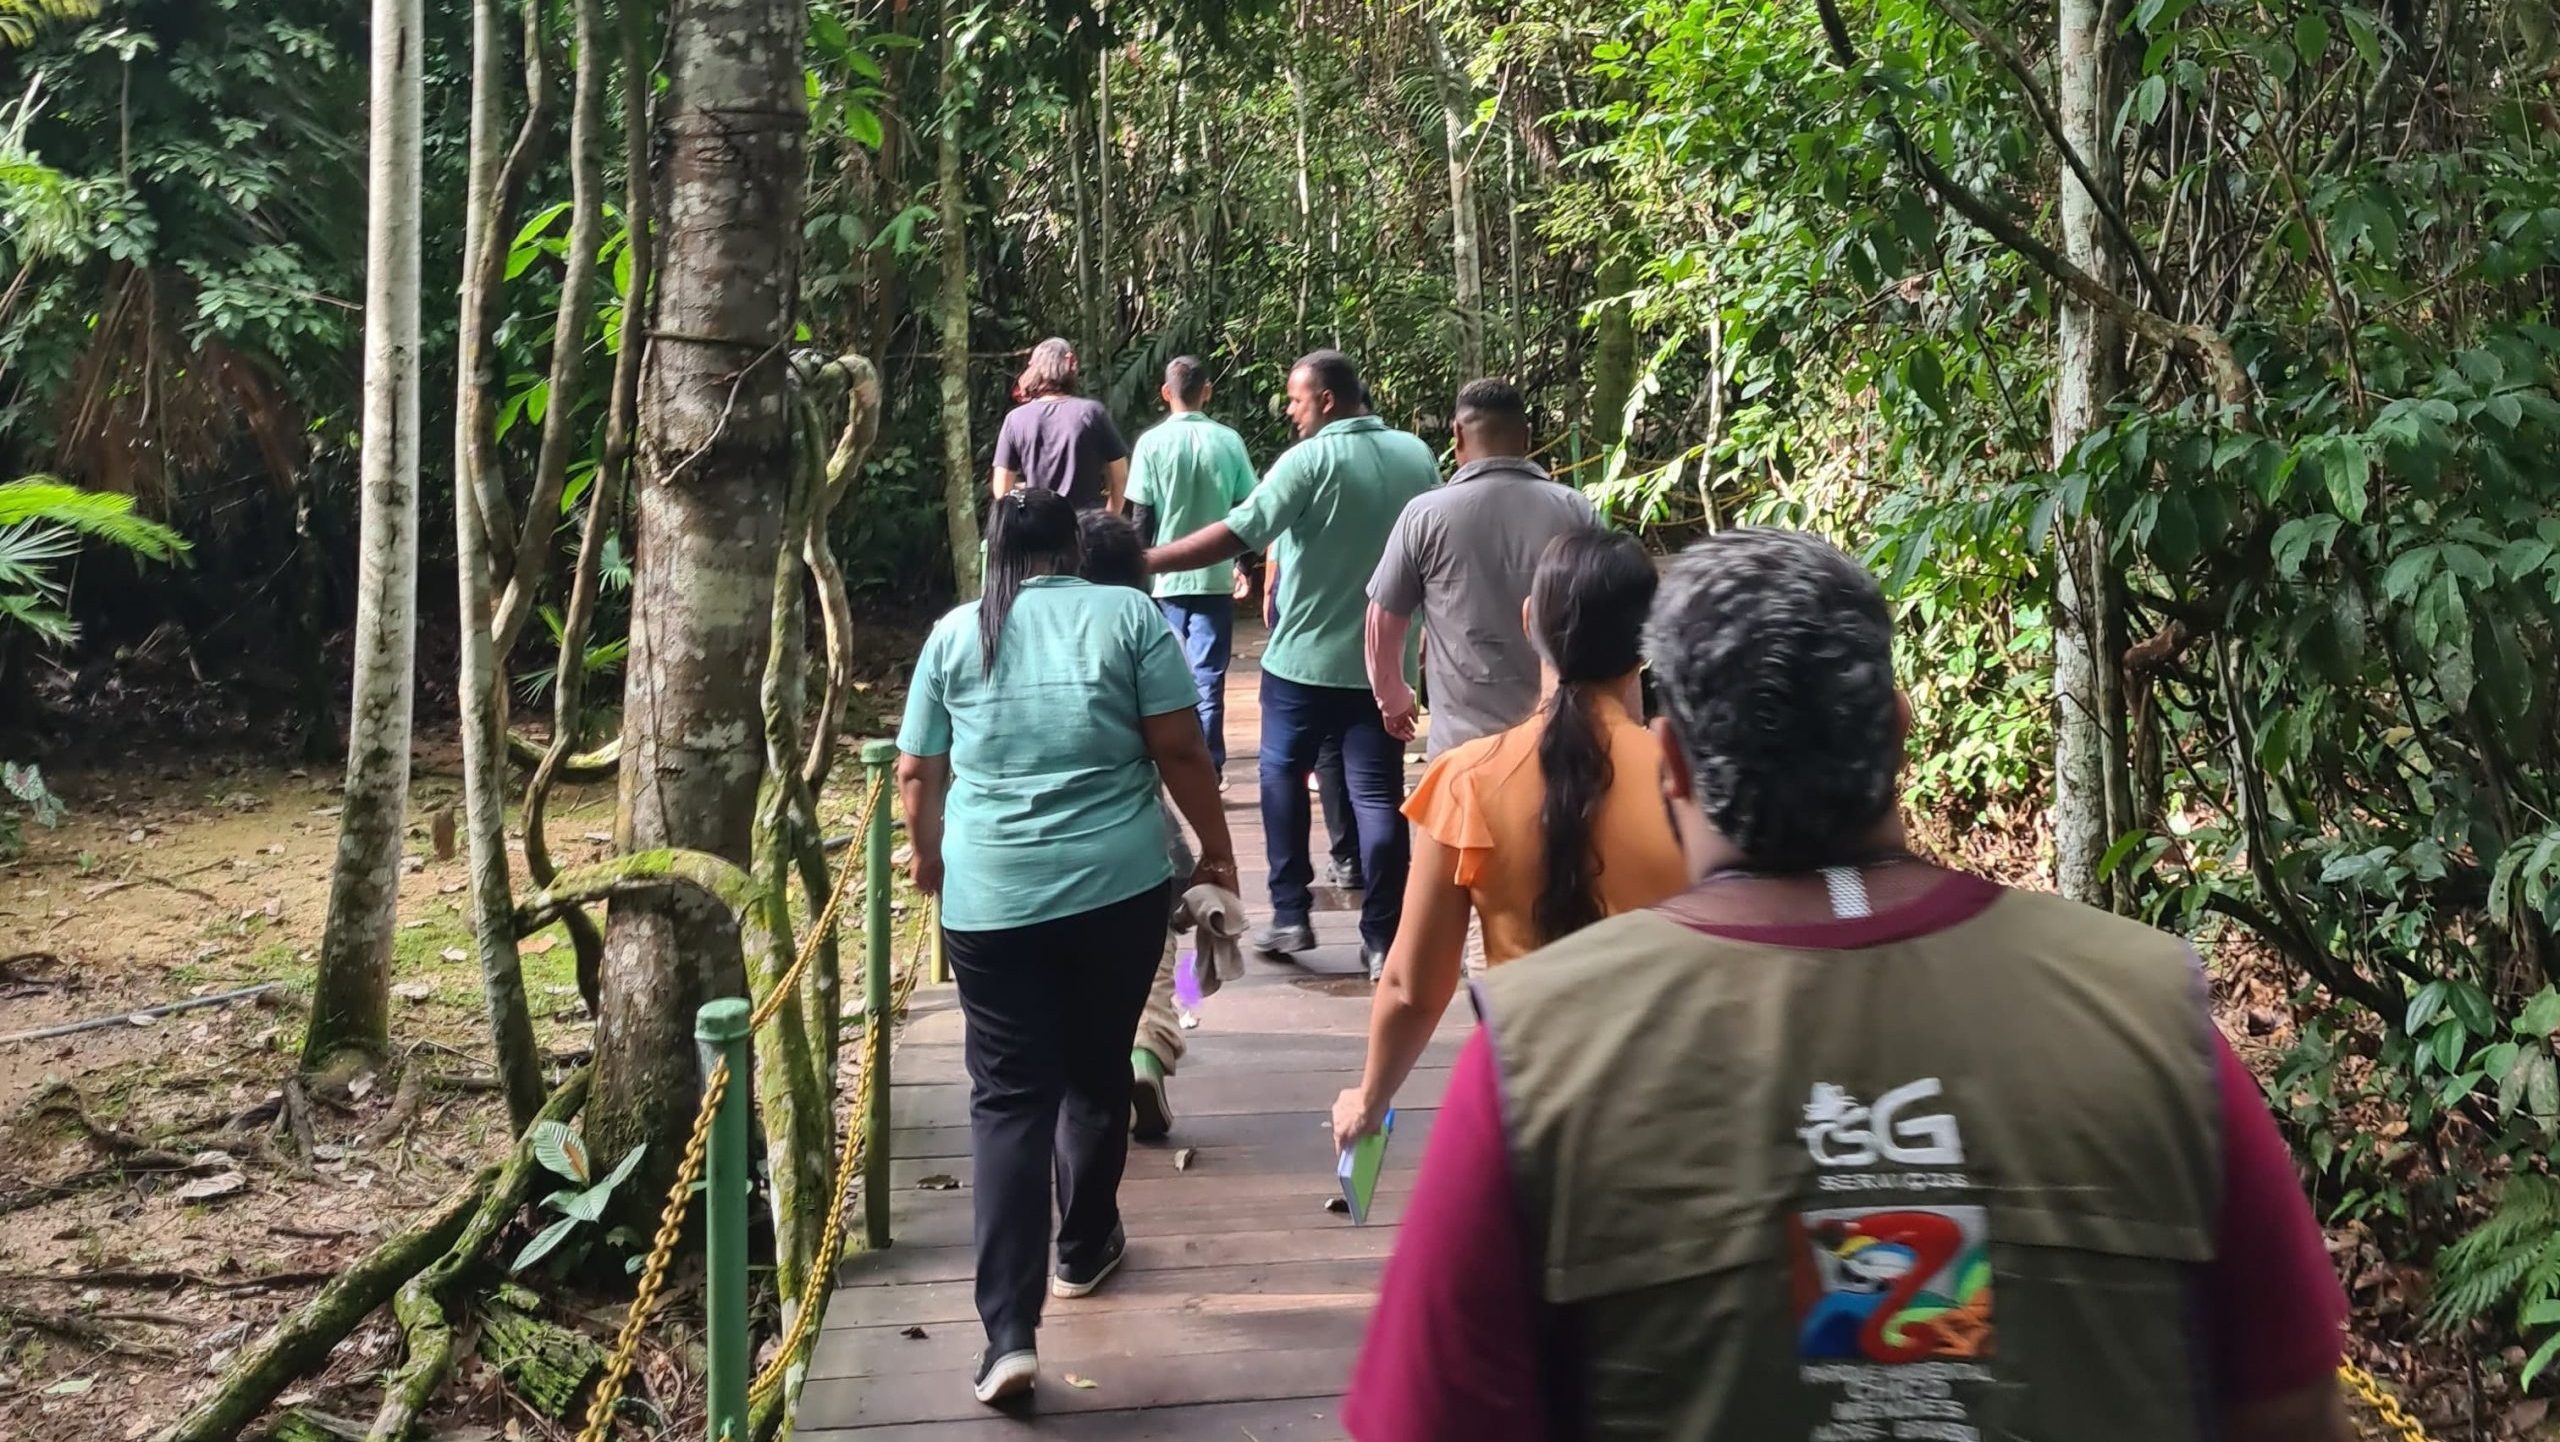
(21,19)
(98,515)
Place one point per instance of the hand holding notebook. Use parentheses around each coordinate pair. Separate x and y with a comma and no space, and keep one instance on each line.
(1359,1166)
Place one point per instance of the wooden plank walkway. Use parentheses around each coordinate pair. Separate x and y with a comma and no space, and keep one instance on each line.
(1237,1314)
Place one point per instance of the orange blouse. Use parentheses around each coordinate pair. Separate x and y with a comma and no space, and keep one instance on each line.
(1480,801)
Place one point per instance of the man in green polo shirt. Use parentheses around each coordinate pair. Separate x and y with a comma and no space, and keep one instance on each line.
(1335,497)
(1183,475)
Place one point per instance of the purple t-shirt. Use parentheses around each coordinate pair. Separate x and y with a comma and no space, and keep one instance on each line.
(1061,443)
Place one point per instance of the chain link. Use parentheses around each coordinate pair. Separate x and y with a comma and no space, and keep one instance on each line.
(2384,1405)
(653,1273)
(848,1167)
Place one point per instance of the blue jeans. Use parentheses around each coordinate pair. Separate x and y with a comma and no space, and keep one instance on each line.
(1297,721)
(1206,626)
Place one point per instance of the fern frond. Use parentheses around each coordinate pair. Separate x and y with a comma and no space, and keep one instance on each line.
(2514,1252)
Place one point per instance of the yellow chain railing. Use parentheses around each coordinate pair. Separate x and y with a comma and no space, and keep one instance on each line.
(831,1240)
(715,1086)
(2384,1405)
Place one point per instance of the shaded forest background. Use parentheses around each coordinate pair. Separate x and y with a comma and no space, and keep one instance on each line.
(2186,366)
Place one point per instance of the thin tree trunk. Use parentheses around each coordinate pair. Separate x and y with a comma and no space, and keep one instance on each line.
(2087,375)
(1512,317)
(1613,359)
(1466,244)
(959,468)
(577,307)
(351,995)
(715,446)
(1110,260)
(483,698)
(1088,295)
(1306,201)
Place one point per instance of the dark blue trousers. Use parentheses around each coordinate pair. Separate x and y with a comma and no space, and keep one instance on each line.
(1206,626)
(1297,721)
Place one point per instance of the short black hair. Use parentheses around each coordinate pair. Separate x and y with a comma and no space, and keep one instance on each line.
(1493,396)
(1186,376)
(1775,653)
(1333,371)
(1113,554)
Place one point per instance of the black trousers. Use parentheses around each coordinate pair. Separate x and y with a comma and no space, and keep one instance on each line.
(1052,1010)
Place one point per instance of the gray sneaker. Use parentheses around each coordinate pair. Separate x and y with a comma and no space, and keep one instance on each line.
(1342,876)
(1285,938)
(1375,961)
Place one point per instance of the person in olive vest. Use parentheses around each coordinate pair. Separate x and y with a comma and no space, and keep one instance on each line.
(1839,1144)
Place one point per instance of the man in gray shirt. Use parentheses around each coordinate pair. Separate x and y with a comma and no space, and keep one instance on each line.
(1463,555)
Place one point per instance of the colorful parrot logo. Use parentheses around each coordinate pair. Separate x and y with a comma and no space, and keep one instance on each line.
(1903,1284)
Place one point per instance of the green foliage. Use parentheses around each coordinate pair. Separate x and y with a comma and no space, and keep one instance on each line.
(42,523)
(2512,1259)
(584,1201)
(20,19)
(25,785)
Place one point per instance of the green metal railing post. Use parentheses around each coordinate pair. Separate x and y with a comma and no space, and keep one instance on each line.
(721,1030)
(877,757)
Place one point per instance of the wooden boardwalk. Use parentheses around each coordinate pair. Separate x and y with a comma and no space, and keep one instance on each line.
(1243,1300)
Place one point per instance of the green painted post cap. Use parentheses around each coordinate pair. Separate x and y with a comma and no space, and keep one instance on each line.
(879,752)
(721,1021)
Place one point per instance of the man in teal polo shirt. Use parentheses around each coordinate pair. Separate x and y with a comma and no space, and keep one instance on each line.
(1335,497)
(1183,475)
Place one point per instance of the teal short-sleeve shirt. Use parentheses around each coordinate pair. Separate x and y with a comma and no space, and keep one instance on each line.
(1334,498)
(1052,808)
(1191,471)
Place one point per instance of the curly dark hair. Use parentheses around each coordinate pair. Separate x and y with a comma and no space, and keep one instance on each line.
(1774,653)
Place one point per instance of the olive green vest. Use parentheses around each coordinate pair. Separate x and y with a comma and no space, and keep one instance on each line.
(1951,1187)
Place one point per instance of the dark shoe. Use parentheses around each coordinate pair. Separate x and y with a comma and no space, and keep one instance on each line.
(1375,961)
(1070,1283)
(1285,938)
(1343,876)
(1150,1113)
(1004,1375)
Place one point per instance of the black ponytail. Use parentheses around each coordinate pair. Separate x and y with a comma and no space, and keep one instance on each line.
(1029,533)
(1589,601)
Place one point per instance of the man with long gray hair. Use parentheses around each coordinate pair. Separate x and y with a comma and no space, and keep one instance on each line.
(1839,1142)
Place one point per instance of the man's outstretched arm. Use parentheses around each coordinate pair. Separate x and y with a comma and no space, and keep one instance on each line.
(1206,546)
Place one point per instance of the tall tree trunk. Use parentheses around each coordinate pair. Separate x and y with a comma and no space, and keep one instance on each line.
(716,441)
(959,468)
(1111,264)
(483,698)
(1306,198)
(1613,359)
(2088,372)
(1466,244)
(1511,312)
(351,996)
(1088,288)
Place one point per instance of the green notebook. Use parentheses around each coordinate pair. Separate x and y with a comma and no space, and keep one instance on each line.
(1359,1166)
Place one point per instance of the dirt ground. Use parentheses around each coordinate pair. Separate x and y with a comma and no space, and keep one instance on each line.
(162,1200)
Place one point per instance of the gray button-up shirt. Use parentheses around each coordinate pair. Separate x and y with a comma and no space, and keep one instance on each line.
(1463,554)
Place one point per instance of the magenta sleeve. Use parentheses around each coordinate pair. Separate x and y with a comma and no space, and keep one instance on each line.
(2272,1304)
(1452,1352)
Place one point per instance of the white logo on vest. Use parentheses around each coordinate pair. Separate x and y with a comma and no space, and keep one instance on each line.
(1841,1133)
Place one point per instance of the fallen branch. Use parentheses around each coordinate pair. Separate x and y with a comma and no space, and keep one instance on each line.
(127,1018)
(112,887)
(84,1329)
(421,1303)
(141,1277)
(303,1340)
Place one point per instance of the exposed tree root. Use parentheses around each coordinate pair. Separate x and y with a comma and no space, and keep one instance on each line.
(303,1340)
(597,765)
(423,1299)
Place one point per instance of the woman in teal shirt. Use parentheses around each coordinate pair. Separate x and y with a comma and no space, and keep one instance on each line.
(1038,725)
